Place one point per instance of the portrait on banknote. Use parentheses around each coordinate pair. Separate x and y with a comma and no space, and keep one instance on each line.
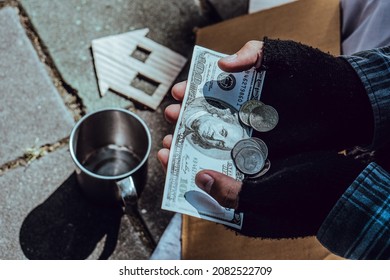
(213,127)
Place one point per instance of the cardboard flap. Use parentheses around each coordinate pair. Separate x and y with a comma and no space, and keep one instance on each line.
(204,240)
(312,22)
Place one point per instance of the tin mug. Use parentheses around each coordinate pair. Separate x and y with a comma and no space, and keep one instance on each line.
(110,148)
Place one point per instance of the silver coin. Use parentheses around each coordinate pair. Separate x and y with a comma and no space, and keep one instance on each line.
(249,160)
(246,109)
(263,118)
(265,169)
(248,142)
(262,146)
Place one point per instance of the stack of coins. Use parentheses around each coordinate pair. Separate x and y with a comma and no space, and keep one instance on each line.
(251,155)
(258,115)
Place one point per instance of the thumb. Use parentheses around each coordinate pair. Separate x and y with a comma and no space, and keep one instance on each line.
(222,188)
(250,55)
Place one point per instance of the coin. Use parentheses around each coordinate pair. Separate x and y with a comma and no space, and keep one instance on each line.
(265,169)
(262,146)
(242,144)
(263,118)
(246,109)
(249,160)
(249,142)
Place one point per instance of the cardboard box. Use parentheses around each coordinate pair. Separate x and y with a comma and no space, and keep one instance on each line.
(313,22)
(204,240)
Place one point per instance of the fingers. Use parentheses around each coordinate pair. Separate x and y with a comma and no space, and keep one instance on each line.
(172,113)
(167,141)
(163,154)
(178,90)
(250,55)
(221,187)
(163,157)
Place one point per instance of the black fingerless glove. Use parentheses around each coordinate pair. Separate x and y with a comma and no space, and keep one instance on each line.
(296,195)
(382,156)
(320,100)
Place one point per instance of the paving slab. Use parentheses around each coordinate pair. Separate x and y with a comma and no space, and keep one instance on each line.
(32,113)
(68,27)
(44,215)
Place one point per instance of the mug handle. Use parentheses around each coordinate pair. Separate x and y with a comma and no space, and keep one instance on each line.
(128,191)
(129,198)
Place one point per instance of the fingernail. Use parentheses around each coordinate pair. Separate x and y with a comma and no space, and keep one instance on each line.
(204,181)
(230,57)
(258,63)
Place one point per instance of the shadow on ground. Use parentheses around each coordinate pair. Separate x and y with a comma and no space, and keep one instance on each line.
(67,226)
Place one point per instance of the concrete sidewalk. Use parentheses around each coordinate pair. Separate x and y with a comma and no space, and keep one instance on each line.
(47,82)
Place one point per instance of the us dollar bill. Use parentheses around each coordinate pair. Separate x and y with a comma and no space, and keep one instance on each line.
(207,129)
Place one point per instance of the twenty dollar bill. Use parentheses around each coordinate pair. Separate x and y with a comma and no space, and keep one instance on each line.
(207,129)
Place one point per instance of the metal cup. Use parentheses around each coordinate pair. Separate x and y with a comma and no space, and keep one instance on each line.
(110,148)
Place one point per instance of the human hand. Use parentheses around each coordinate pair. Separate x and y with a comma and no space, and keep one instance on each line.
(249,56)
(171,115)
(225,189)
(320,100)
(293,198)
(301,128)
(313,110)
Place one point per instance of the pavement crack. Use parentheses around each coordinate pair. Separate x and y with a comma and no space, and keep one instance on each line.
(69,94)
(31,154)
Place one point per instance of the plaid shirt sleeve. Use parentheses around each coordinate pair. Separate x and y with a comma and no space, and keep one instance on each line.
(358,227)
